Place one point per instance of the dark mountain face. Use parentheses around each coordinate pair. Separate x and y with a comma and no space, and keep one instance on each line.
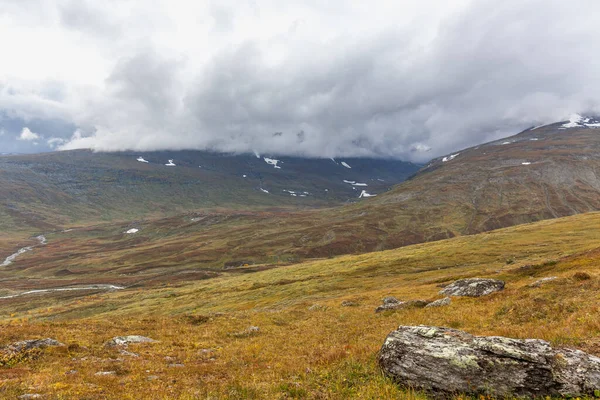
(49,189)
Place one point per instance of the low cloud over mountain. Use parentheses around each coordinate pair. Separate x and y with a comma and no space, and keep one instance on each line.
(411,80)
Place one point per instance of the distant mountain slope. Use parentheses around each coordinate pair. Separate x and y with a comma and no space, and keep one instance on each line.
(541,173)
(49,189)
(544,172)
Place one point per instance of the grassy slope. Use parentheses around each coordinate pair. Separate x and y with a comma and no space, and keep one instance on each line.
(486,187)
(324,352)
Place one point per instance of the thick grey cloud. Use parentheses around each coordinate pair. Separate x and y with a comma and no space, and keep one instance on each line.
(316,79)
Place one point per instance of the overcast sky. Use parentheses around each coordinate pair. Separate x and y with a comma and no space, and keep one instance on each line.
(400,78)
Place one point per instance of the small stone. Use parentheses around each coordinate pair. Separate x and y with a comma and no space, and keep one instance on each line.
(542,281)
(250,331)
(71,372)
(439,303)
(126,340)
(390,300)
(176,365)
(128,353)
(348,303)
(402,305)
(152,378)
(30,396)
(105,373)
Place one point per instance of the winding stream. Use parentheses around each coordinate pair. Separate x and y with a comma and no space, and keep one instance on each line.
(9,260)
(66,289)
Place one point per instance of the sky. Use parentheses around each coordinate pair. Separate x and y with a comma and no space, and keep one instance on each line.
(387,78)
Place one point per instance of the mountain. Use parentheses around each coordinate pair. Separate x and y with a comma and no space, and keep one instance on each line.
(541,173)
(55,189)
(544,172)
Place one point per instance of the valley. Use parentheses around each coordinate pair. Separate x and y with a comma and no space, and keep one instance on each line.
(249,294)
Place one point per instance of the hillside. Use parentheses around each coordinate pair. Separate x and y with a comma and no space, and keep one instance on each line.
(541,173)
(306,345)
(50,190)
(544,172)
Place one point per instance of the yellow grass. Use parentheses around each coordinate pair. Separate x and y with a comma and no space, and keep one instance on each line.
(308,345)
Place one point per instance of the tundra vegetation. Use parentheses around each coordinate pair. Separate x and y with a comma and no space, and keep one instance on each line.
(286,331)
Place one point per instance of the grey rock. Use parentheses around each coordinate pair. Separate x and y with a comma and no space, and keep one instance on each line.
(25,345)
(390,300)
(105,373)
(128,353)
(443,362)
(400,305)
(348,303)
(439,303)
(126,340)
(248,332)
(176,365)
(30,396)
(473,287)
(542,281)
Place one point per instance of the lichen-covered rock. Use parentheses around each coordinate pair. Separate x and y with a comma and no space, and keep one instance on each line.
(26,345)
(445,361)
(126,340)
(399,305)
(473,287)
(439,303)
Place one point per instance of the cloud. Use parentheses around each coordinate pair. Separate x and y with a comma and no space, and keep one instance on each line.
(341,78)
(29,136)
(56,142)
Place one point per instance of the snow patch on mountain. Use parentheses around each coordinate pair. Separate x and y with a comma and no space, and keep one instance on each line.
(141,159)
(450,157)
(578,121)
(345,165)
(170,164)
(365,194)
(354,183)
(272,162)
(132,230)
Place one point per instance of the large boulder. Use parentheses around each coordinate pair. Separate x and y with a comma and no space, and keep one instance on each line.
(443,362)
(473,287)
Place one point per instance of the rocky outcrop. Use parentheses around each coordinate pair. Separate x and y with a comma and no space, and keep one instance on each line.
(126,340)
(391,303)
(443,362)
(20,351)
(27,345)
(473,287)
(439,303)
